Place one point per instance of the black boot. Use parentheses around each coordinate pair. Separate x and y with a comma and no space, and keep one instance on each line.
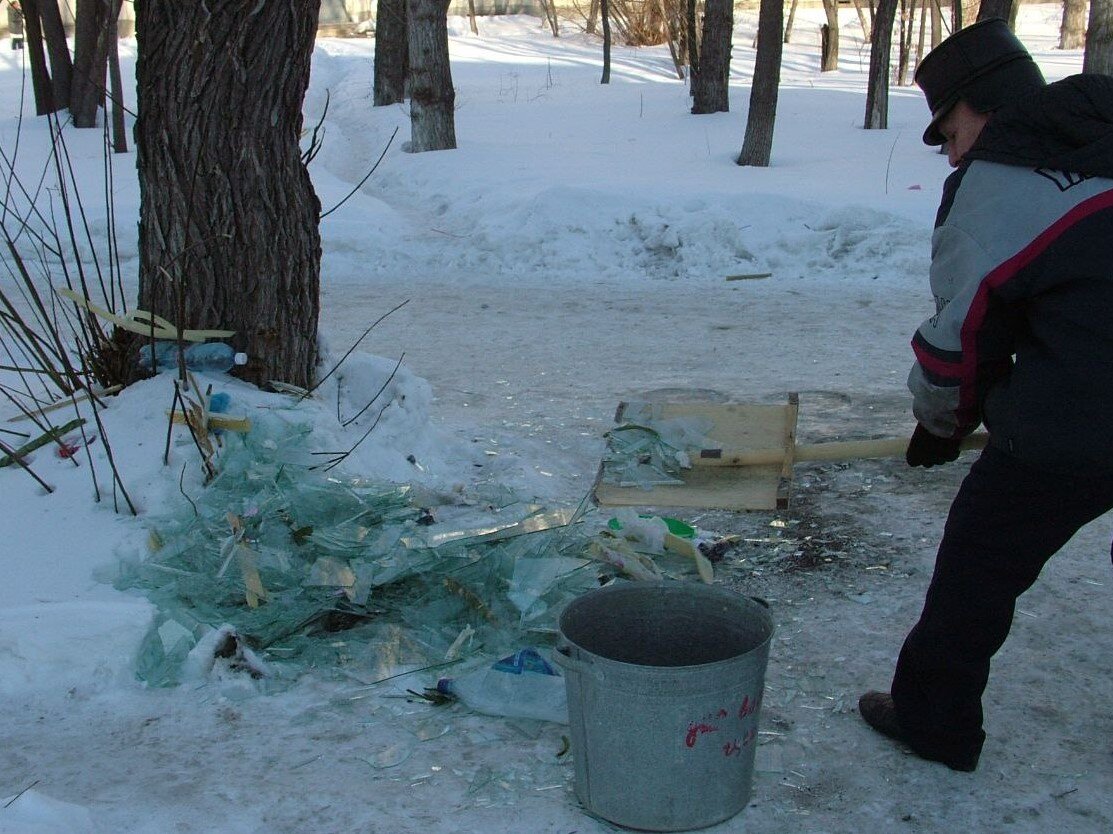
(879,711)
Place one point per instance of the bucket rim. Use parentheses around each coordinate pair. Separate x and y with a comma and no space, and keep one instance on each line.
(753,604)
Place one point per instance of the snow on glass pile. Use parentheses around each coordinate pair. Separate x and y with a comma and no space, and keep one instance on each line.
(280,568)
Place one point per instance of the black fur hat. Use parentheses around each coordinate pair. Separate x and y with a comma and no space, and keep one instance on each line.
(985,65)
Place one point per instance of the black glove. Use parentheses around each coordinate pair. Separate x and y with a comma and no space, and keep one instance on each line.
(927,450)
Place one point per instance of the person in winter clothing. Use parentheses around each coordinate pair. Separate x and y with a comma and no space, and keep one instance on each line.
(1022,342)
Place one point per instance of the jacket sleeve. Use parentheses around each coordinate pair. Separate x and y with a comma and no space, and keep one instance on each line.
(967,345)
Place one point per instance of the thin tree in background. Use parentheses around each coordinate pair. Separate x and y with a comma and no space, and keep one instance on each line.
(877,88)
(228,219)
(391,53)
(51,86)
(711,83)
(757,146)
(956,15)
(41,85)
(1072,32)
(605,16)
(693,41)
(791,18)
(936,24)
(1098,57)
(94,28)
(829,60)
(432,96)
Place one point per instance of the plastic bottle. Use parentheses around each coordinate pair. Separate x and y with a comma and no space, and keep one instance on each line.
(523,685)
(206,356)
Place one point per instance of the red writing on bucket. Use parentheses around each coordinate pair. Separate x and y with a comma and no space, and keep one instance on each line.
(705,725)
(734,747)
(697,729)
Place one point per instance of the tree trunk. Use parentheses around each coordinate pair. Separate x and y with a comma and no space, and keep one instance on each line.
(693,41)
(862,20)
(119,130)
(788,25)
(881,45)
(956,15)
(757,146)
(432,97)
(89,65)
(61,64)
(996,8)
(936,24)
(711,85)
(592,17)
(907,26)
(472,19)
(391,53)
(830,50)
(1072,32)
(228,219)
(923,35)
(1098,57)
(605,15)
(40,76)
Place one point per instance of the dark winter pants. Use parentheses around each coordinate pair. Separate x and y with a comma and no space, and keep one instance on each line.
(1005,523)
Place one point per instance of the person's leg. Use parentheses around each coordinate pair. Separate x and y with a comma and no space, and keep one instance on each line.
(1005,523)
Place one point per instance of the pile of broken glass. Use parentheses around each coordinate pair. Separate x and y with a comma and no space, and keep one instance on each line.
(285,568)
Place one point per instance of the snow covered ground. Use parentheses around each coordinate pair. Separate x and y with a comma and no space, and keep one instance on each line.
(572,253)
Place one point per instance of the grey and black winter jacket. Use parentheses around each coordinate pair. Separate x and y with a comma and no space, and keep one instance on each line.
(1022,273)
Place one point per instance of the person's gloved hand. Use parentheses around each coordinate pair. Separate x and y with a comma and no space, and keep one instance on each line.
(927,450)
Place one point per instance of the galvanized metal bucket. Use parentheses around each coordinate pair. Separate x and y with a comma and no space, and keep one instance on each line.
(664,689)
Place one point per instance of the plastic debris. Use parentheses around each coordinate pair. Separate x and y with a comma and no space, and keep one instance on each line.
(523,685)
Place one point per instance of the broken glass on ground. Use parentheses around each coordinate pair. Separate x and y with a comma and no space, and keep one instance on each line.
(348,577)
(647,450)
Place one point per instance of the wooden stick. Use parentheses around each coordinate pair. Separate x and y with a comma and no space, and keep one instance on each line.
(842,450)
(218,421)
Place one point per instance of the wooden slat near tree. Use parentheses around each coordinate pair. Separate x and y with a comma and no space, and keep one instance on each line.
(228,219)
(757,146)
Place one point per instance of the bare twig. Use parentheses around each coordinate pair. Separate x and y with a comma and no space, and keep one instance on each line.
(359,185)
(378,393)
(352,349)
(8,450)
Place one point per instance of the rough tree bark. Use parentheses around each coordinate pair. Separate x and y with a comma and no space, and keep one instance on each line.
(996,8)
(61,65)
(36,58)
(829,60)
(90,60)
(1072,32)
(228,219)
(757,146)
(432,97)
(710,83)
(877,89)
(391,53)
(1098,57)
